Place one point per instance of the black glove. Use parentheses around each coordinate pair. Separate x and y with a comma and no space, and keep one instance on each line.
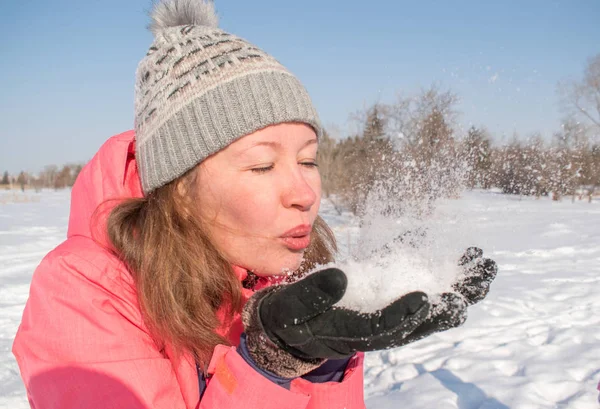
(450,311)
(472,286)
(477,275)
(292,329)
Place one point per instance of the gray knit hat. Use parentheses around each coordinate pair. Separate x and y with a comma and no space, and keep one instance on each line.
(199,89)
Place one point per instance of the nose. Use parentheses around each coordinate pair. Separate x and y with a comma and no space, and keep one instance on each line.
(300,191)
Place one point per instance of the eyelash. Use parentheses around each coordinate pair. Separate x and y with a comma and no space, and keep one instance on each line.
(269,168)
(262,170)
(310,164)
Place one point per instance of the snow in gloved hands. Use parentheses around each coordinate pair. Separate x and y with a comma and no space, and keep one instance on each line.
(395,253)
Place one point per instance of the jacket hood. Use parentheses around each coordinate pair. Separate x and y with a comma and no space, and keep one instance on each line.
(108,178)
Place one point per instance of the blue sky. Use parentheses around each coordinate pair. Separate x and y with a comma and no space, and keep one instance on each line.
(67,67)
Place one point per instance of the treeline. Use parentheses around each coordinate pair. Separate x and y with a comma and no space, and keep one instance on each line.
(568,165)
(406,151)
(411,153)
(52,177)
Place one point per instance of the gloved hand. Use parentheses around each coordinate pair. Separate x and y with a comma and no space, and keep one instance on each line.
(291,330)
(449,311)
(477,275)
(472,286)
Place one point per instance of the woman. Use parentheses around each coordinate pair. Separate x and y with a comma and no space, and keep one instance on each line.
(170,291)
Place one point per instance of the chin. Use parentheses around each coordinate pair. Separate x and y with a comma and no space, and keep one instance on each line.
(289,265)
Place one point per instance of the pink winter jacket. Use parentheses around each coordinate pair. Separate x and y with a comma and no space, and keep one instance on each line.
(82,342)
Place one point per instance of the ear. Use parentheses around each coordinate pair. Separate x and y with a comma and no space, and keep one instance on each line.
(182,187)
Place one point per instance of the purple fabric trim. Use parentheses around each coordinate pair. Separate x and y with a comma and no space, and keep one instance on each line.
(201,381)
(242,349)
(331,371)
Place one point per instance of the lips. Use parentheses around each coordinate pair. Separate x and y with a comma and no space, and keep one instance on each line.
(297,238)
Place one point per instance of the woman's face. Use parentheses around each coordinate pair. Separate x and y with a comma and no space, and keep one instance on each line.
(260,197)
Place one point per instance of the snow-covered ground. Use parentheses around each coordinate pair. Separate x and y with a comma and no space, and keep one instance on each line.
(534,342)
(30,225)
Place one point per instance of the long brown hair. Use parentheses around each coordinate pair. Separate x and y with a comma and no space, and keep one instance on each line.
(182,279)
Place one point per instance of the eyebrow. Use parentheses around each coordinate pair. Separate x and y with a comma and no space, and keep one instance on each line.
(276,145)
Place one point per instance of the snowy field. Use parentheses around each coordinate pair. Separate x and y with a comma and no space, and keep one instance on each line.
(533,343)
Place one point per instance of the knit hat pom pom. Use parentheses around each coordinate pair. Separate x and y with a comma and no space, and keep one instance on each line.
(173,13)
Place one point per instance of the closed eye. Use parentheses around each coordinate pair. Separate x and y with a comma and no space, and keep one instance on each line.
(310,164)
(264,169)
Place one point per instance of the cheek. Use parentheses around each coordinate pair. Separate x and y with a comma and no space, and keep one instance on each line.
(249,209)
